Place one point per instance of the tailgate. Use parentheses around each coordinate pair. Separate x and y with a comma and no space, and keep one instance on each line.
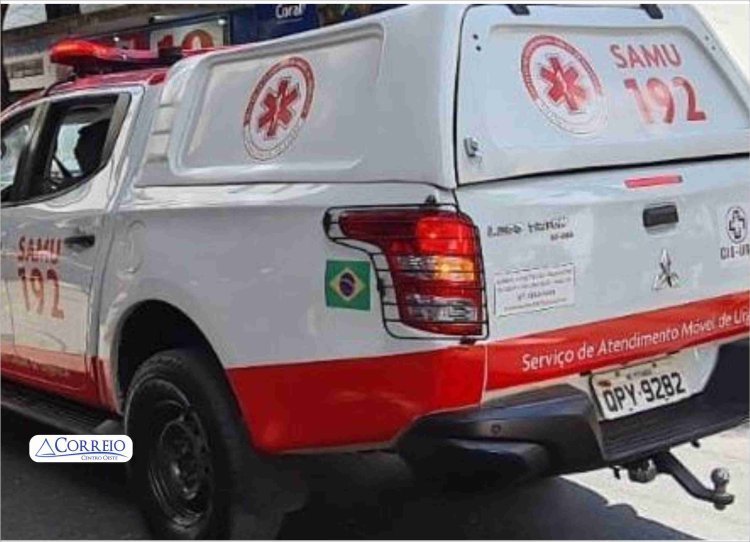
(575,87)
(562,250)
(585,270)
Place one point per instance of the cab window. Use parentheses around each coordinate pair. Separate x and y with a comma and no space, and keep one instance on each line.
(73,145)
(15,139)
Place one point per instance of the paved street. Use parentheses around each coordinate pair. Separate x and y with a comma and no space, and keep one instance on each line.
(373,496)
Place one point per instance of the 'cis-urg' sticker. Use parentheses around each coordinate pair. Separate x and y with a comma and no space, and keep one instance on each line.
(734,246)
(347,284)
(278,108)
(563,85)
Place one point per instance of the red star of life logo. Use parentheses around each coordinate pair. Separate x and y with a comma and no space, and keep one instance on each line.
(563,84)
(277,108)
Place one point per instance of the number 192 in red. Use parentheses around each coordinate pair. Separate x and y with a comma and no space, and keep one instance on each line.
(656,102)
(32,282)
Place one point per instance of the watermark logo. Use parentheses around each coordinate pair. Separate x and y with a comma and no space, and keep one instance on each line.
(80,448)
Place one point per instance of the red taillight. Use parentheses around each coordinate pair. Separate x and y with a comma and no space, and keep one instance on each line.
(434,263)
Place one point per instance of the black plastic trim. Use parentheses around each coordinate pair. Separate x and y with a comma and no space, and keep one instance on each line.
(518,9)
(562,420)
(653,11)
(660,215)
(53,410)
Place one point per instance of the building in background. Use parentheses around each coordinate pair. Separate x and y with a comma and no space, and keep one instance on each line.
(30,29)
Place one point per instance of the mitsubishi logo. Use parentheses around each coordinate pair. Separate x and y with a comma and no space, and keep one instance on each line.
(666,278)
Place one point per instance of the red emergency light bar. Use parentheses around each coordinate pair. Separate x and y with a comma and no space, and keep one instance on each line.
(87,57)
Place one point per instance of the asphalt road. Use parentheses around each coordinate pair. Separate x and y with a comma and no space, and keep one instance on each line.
(374,496)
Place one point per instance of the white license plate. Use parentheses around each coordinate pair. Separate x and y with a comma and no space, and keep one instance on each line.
(634,389)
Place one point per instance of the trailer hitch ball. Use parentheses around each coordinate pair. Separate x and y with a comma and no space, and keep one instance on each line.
(720,479)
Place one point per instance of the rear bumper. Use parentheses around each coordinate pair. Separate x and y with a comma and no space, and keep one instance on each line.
(555,429)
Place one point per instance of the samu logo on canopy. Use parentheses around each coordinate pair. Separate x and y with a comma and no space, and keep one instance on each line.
(80,448)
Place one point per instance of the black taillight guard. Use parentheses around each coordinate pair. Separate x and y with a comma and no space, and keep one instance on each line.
(392,319)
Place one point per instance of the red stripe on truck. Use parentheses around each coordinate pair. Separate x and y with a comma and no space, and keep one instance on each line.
(372,400)
(360,400)
(56,372)
(578,349)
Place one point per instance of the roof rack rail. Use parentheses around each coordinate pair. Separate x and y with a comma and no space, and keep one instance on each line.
(518,9)
(653,10)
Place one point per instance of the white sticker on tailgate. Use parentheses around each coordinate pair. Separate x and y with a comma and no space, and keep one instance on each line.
(536,289)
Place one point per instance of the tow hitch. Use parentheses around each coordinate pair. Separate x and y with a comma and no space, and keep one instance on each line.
(646,470)
(667,463)
(664,462)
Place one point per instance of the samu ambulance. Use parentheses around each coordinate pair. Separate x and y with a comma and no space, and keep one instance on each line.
(499,240)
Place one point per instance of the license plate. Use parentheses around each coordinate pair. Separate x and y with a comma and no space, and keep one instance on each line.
(634,389)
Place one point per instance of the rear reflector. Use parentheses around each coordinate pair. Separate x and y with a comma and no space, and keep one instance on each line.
(434,264)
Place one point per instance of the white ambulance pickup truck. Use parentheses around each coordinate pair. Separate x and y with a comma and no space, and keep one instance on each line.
(503,241)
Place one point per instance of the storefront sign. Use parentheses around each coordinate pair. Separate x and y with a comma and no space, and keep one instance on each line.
(202,35)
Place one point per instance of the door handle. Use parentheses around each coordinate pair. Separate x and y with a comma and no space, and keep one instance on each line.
(80,242)
(660,215)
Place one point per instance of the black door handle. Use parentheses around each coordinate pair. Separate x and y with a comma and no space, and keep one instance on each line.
(80,242)
(661,215)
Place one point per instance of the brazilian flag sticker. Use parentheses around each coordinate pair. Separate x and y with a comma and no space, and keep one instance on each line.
(348,284)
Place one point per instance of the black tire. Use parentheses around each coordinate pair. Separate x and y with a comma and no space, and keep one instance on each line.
(190,450)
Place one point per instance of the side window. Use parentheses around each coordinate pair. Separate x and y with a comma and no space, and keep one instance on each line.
(73,145)
(15,138)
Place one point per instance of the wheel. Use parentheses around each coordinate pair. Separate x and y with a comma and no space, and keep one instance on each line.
(189,450)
